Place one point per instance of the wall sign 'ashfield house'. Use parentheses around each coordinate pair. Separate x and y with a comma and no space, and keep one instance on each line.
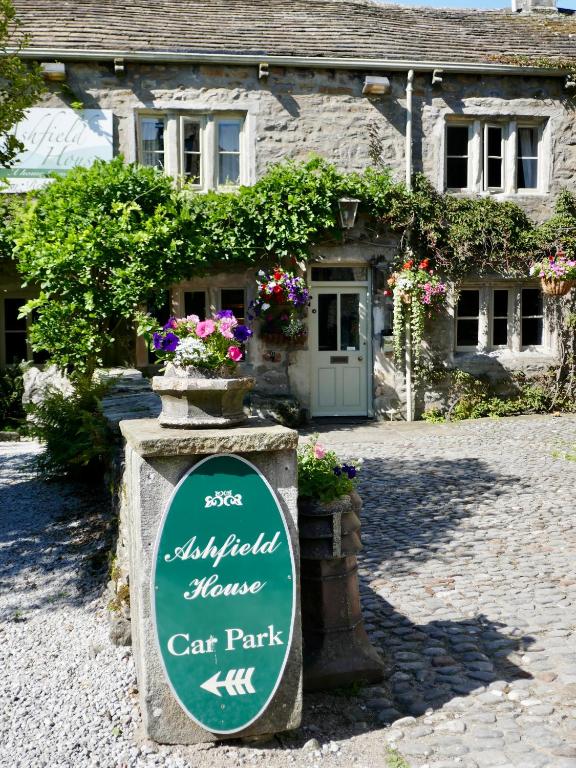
(55,141)
(224,593)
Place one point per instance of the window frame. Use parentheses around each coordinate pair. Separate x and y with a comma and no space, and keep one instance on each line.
(458,317)
(174,152)
(542,316)
(486,157)
(478,126)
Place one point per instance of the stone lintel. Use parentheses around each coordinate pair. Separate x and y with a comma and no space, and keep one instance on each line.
(147,438)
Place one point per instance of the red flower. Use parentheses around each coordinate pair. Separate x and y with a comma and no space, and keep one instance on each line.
(387,293)
(424,264)
(408,264)
(277,289)
(277,274)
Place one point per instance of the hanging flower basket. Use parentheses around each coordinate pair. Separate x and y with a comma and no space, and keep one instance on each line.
(553,287)
(281,340)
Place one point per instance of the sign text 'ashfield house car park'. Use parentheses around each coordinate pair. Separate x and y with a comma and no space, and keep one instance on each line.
(55,141)
(224,593)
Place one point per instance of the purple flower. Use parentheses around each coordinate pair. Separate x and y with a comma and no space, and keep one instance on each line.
(242,333)
(167,343)
(350,470)
(170,324)
(337,471)
(224,313)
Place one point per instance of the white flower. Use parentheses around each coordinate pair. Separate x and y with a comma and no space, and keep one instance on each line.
(265,307)
(190,351)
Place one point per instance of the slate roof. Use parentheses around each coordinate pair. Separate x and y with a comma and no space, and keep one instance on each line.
(318,28)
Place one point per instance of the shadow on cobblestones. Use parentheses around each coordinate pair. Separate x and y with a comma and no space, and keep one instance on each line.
(415,507)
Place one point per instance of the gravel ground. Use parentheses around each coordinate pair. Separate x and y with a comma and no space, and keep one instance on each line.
(468,586)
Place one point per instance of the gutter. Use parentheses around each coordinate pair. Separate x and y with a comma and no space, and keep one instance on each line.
(394,65)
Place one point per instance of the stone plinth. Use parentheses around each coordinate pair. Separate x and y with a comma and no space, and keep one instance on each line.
(156,460)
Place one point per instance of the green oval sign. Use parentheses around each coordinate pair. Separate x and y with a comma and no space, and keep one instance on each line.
(223,593)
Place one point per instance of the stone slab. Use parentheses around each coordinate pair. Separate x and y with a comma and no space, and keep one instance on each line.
(156,459)
(148,438)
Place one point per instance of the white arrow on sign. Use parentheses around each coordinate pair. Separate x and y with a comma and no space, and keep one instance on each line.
(236,682)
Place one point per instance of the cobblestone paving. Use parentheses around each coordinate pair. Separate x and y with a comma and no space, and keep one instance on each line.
(469,586)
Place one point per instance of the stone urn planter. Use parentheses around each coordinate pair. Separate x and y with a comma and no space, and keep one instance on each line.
(337,651)
(553,287)
(193,398)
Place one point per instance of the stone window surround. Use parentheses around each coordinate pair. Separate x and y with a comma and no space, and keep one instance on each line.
(208,114)
(514,348)
(478,113)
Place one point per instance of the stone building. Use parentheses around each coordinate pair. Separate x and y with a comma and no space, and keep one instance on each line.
(217,90)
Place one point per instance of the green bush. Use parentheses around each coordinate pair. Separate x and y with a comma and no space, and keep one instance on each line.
(76,434)
(11,390)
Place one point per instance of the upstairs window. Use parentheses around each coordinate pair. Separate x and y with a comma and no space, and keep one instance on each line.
(499,156)
(205,150)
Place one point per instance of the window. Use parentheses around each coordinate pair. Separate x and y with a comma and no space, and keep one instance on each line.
(206,150)
(15,346)
(501,317)
(468,319)
(498,156)
(195,303)
(233,298)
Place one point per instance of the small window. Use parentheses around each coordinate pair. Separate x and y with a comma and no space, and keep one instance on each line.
(493,157)
(467,319)
(152,141)
(16,348)
(500,318)
(192,152)
(342,274)
(234,299)
(532,317)
(229,152)
(457,156)
(527,154)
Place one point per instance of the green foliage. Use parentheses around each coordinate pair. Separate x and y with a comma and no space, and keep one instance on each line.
(99,243)
(394,759)
(11,390)
(321,474)
(20,83)
(74,430)
(559,229)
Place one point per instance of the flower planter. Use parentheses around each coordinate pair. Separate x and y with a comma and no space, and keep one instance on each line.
(556,287)
(337,651)
(192,398)
(280,340)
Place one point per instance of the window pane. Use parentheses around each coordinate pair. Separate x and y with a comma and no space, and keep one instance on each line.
(494,139)
(527,173)
(527,142)
(233,299)
(229,169)
(16,349)
(192,168)
(501,303)
(531,301)
(345,274)
(327,327)
(467,333)
(229,136)
(11,310)
(195,303)
(494,172)
(531,331)
(457,140)
(469,303)
(456,172)
(500,331)
(152,130)
(191,137)
(350,321)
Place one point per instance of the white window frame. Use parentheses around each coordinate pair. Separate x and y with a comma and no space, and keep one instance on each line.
(457,124)
(486,317)
(174,121)
(478,154)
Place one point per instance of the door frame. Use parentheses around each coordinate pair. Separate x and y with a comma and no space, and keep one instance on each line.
(367,285)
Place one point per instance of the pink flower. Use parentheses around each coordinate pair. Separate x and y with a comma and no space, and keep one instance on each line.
(319,451)
(226,326)
(205,328)
(234,354)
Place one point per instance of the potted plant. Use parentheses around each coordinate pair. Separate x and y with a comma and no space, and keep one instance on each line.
(337,651)
(200,386)
(417,292)
(557,273)
(280,303)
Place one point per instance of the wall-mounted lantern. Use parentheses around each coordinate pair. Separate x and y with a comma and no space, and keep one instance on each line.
(53,71)
(119,66)
(348,207)
(376,86)
(263,70)
(437,77)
